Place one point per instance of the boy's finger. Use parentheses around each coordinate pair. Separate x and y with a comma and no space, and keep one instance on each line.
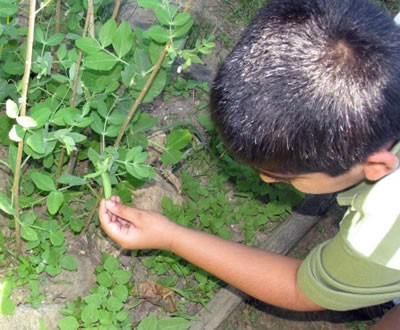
(103,215)
(114,230)
(122,211)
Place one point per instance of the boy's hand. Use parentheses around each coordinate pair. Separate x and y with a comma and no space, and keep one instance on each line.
(134,228)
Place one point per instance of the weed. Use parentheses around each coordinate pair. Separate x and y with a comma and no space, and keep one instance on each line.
(67,86)
(243,11)
(105,307)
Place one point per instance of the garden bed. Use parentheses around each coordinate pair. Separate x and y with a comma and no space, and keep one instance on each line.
(200,187)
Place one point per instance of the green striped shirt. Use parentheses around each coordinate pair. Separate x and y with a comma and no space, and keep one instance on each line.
(360,266)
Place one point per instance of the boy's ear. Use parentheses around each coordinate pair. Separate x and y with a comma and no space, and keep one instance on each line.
(379,164)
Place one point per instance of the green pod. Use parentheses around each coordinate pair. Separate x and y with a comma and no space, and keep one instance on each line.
(106,185)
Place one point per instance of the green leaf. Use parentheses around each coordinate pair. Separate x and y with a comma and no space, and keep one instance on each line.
(5,204)
(152,4)
(68,142)
(148,323)
(57,238)
(171,156)
(173,323)
(101,61)
(71,180)
(77,137)
(6,124)
(121,316)
(13,67)
(65,116)
(105,279)
(140,171)
(39,35)
(144,123)
(76,225)
(7,305)
(60,78)
(12,156)
(111,264)
(156,87)
(51,256)
(43,181)
(41,115)
(142,61)
(12,109)
(55,39)
(128,75)
(16,133)
(42,324)
(122,276)
(54,201)
(7,8)
(159,34)
(93,299)
(205,121)
(93,156)
(162,15)
(112,130)
(69,263)
(155,51)
(106,317)
(117,118)
(114,304)
(107,32)
(68,323)
(183,30)
(29,233)
(88,45)
(53,270)
(121,292)
(132,153)
(123,39)
(90,314)
(62,52)
(26,122)
(36,142)
(181,19)
(178,139)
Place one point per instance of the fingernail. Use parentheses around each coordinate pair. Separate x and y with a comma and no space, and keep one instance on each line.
(110,203)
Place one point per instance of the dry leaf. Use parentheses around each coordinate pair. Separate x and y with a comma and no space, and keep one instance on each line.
(157,295)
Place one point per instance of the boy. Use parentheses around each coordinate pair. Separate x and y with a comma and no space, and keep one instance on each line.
(309,96)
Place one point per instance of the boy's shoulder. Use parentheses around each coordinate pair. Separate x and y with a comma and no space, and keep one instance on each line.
(372,220)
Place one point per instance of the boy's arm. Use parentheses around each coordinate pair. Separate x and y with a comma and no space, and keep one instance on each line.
(390,321)
(266,276)
(263,275)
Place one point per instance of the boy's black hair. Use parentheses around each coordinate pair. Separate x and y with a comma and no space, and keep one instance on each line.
(312,86)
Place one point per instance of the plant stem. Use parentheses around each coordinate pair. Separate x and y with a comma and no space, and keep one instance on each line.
(89,14)
(117,6)
(72,101)
(58,16)
(133,110)
(90,18)
(147,86)
(24,93)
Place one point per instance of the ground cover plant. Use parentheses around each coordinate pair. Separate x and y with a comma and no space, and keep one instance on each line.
(73,82)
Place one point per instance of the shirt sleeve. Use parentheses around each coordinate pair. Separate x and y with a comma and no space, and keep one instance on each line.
(337,277)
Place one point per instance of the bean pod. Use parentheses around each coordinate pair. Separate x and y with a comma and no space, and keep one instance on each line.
(106,185)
